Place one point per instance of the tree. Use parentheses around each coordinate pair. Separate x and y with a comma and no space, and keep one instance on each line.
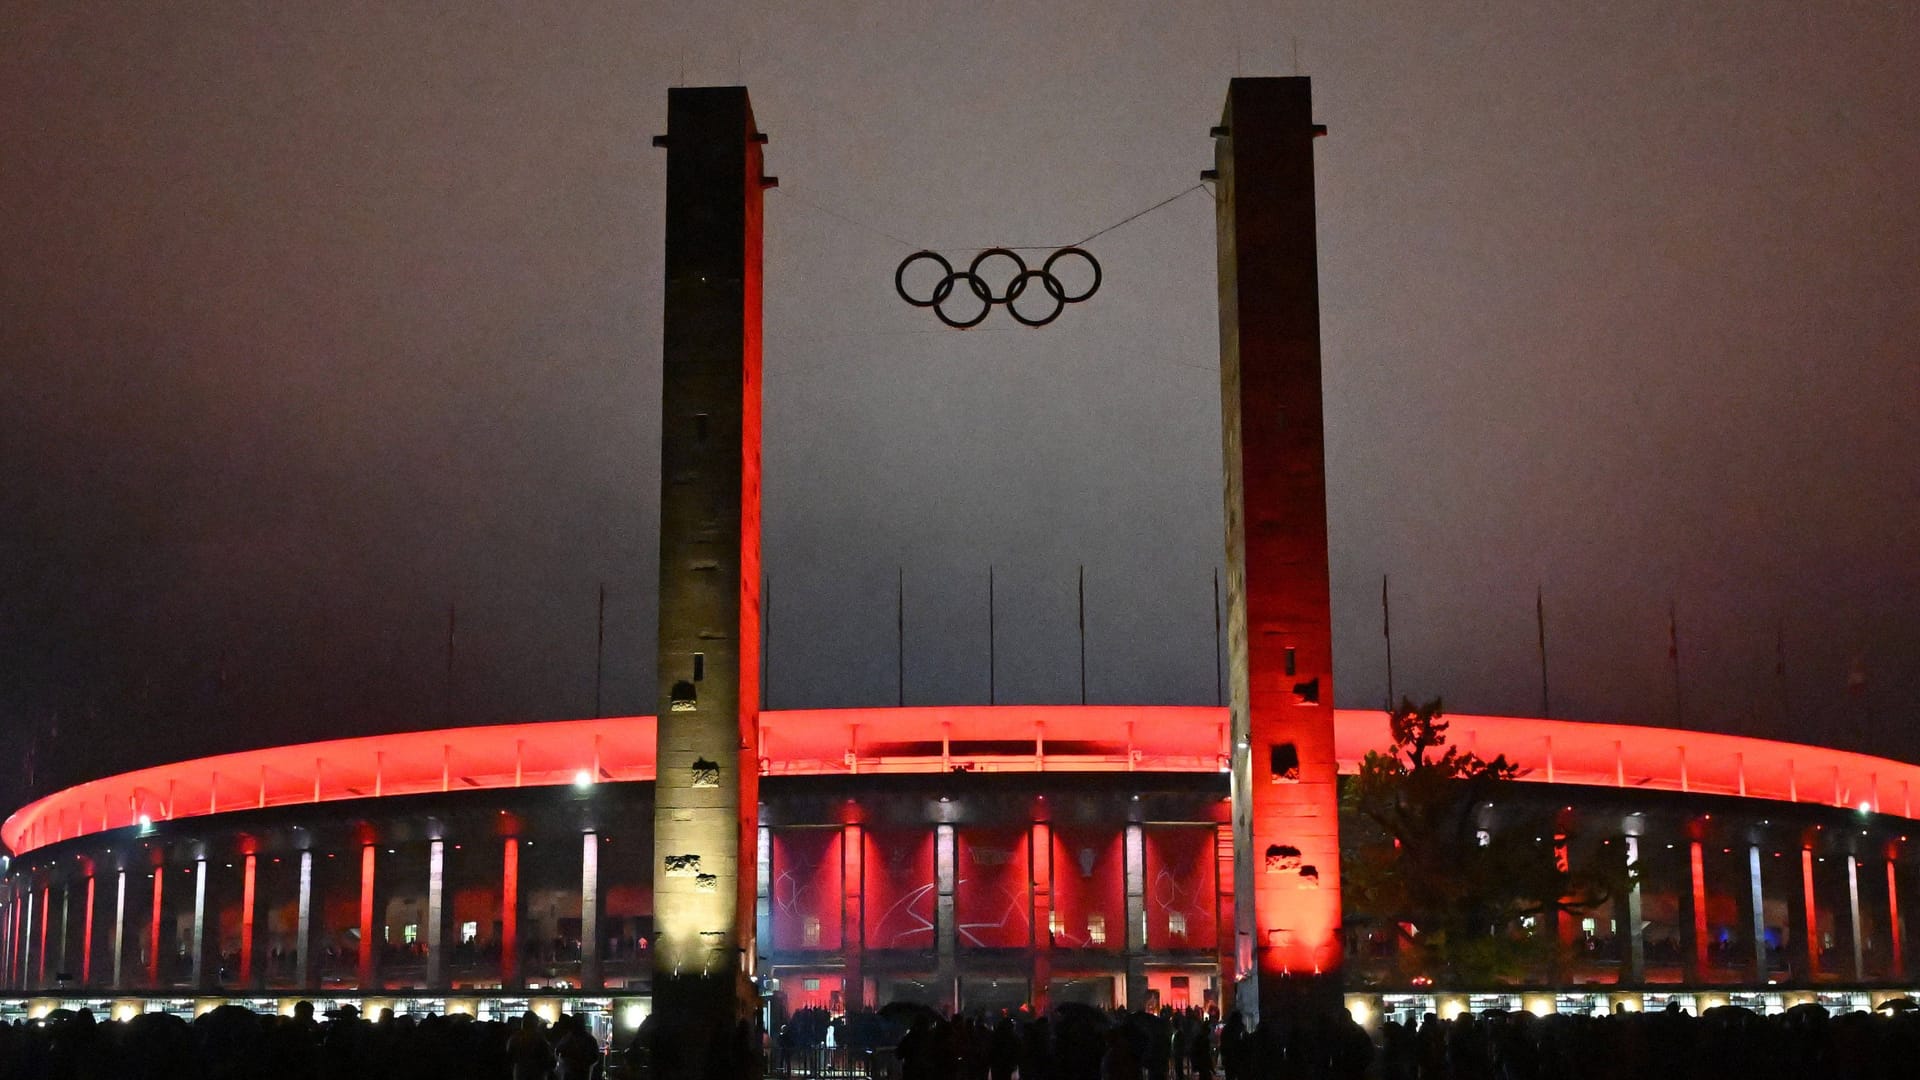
(1465,904)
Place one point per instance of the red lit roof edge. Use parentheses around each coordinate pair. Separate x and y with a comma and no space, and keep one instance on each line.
(990,738)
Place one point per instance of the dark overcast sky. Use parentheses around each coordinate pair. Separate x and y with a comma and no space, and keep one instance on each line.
(317,318)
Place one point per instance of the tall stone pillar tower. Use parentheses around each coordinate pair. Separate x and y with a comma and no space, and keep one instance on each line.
(1279,624)
(706,794)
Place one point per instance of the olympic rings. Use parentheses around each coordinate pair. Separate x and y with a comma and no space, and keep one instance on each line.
(1014,287)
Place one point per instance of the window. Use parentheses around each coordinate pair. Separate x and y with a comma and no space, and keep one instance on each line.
(1097,928)
(1483,837)
(1589,926)
(410,933)
(1054,926)
(469,932)
(810,935)
(811,984)
(1177,923)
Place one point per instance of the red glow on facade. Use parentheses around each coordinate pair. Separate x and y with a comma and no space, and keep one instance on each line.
(990,902)
(1089,889)
(900,890)
(1180,888)
(806,889)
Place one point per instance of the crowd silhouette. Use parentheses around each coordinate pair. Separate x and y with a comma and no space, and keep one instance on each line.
(916,1043)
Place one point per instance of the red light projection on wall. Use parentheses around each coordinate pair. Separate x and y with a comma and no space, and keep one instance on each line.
(1089,889)
(805,889)
(900,894)
(1180,865)
(806,991)
(990,901)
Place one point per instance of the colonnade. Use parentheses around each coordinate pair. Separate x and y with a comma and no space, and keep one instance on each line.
(38,920)
(1036,960)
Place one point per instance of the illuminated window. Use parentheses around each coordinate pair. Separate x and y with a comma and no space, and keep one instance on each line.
(1097,928)
(1483,837)
(469,932)
(410,933)
(811,984)
(810,935)
(1054,925)
(1177,923)
(1589,926)
(1527,922)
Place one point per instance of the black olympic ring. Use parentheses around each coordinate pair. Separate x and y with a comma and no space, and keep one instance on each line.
(1014,288)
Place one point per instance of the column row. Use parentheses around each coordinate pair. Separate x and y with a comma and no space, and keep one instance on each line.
(320,920)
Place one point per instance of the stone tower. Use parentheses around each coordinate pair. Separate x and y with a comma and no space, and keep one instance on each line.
(1279,623)
(706,793)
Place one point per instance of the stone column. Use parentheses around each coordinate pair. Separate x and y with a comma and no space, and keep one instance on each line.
(763,891)
(366,972)
(66,919)
(1225,959)
(510,914)
(853,925)
(945,928)
(154,940)
(707,670)
(1853,919)
(1694,960)
(46,921)
(1894,929)
(591,977)
(1756,917)
(206,936)
(86,934)
(304,974)
(1135,846)
(1805,914)
(26,954)
(1633,965)
(119,928)
(8,906)
(436,914)
(1040,860)
(1279,613)
(248,881)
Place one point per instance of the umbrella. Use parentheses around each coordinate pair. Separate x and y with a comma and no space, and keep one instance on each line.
(905,1013)
(1075,1012)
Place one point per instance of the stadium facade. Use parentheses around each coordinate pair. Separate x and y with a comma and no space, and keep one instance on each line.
(971,857)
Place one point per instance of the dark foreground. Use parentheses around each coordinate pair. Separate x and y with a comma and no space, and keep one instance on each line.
(230,1043)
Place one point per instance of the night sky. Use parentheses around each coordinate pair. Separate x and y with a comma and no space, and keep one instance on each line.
(317,319)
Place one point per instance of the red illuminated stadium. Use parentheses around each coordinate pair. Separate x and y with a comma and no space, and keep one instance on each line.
(976,858)
(970,856)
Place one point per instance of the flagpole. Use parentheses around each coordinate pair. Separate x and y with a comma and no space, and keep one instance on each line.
(599,651)
(450,627)
(1219,679)
(1780,671)
(1386,631)
(992,669)
(900,634)
(1540,618)
(1673,654)
(1083,634)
